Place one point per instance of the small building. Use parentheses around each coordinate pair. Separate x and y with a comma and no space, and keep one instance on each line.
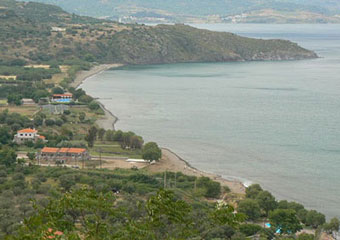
(58,29)
(62,98)
(28,135)
(63,155)
(27,102)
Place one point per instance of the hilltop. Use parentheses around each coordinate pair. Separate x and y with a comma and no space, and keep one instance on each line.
(259,11)
(38,32)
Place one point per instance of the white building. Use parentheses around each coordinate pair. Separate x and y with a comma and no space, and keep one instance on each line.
(26,135)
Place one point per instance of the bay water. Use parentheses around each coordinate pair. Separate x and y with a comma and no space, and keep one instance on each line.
(273,123)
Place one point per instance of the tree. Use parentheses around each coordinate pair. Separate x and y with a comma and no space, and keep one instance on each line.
(285,220)
(253,190)
(118,136)
(250,229)
(212,189)
(5,136)
(67,182)
(39,144)
(165,209)
(251,208)
(151,152)
(14,99)
(109,135)
(315,219)
(38,121)
(332,226)
(91,136)
(266,201)
(85,99)
(136,142)
(94,105)
(49,122)
(82,116)
(101,133)
(126,139)
(8,157)
(59,122)
(31,156)
(57,90)
(306,236)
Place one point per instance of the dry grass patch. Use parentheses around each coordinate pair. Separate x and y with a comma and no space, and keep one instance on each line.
(28,111)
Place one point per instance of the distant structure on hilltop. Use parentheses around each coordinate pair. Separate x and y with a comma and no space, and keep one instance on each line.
(28,135)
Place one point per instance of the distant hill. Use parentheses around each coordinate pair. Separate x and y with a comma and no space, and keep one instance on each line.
(202,10)
(41,33)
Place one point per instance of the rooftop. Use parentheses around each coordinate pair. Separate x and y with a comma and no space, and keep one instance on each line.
(63,150)
(50,150)
(63,95)
(27,130)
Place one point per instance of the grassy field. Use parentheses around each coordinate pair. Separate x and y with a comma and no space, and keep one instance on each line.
(28,111)
(113,149)
(58,78)
(3,102)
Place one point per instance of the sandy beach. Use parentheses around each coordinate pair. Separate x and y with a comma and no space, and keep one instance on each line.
(170,161)
(83,75)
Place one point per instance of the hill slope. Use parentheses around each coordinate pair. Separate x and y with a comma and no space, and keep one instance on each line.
(188,10)
(27,33)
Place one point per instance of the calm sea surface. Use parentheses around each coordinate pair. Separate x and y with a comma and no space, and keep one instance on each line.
(273,123)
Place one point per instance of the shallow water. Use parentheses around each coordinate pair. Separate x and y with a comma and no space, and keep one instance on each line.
(275,123)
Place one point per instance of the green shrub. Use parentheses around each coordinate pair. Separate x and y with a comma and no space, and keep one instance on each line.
(250,229)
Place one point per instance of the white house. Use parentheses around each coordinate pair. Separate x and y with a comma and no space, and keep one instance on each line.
(26,135)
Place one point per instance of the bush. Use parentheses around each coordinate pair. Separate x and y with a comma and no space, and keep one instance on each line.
(49,122)
(94,105)
(333,225)
(250,208)
(59,122)
(315,219)
(253,190)
(151,152)
(129,188)
(57,90)
(250,229)
(212,189)
(67,112)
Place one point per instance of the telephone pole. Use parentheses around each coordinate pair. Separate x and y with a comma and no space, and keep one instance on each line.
(164,179)
(100,158)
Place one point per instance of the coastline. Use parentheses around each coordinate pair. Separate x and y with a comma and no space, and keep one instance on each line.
(83,75)
(170,160)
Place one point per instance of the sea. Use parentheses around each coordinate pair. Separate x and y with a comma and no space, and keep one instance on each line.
(272,123)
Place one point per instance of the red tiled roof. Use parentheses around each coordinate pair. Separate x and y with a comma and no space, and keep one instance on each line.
(63,150)
(49,150)
(77,150)
(63,95)
(42,137)
(28,130)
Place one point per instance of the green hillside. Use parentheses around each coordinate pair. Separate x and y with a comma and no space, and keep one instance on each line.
(178,10)
(27,33)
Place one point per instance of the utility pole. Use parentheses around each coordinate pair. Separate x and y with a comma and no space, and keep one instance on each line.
(175,179)
(100,157)
(164,179)
(195,186)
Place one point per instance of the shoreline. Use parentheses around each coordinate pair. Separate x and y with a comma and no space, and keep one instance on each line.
(170,160)
(83,75)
